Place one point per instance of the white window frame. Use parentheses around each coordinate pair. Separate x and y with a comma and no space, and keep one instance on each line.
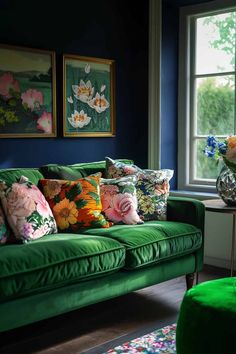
(185,108)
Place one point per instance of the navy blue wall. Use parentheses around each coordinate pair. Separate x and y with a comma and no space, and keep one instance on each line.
(169,83)
(110,29)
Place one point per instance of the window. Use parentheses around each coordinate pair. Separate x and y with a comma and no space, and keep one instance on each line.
(206,88)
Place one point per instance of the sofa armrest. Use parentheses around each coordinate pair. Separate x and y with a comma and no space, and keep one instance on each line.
(187,210)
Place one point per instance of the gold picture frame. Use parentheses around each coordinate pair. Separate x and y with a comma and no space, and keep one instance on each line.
(88,97)
(27,92)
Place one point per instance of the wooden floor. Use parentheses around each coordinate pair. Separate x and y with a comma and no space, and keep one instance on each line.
(127,317)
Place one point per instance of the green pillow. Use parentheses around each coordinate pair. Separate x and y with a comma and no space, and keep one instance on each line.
(62,172)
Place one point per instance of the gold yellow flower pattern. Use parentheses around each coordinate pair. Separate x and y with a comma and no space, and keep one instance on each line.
(65,213)
(75,204)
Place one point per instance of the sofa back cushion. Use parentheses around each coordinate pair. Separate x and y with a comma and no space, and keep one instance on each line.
(98,166)
(54,171)
(12,175)
(75,171)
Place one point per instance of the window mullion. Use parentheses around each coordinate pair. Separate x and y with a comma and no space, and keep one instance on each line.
(235,80)
(192,106)
(200,76)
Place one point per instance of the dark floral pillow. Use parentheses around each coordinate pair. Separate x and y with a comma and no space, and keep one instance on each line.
(152,193)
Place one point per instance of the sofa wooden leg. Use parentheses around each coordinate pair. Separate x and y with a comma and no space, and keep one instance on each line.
(190,280)
(197,277)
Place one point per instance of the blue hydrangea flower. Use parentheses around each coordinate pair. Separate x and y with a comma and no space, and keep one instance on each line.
(209,153)
(214,147)
(211,141)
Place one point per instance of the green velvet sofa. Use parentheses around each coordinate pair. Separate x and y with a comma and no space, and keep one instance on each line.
(63,272)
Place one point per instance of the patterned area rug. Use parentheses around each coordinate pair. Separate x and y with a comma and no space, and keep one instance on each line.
(159,341)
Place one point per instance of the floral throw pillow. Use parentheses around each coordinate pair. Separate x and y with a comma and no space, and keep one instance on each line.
(152,193)
(26,210)
(116,169)
(152,188)
(75,204)
(119,201)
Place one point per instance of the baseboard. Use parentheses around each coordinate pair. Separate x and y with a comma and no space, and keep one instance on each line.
(218,262)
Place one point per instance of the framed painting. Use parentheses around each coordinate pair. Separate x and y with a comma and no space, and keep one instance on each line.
(27,93)
(88,97)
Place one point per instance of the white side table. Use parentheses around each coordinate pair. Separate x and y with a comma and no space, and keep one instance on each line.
(218,206)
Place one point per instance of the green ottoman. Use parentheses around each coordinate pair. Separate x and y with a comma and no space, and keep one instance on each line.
(207,319)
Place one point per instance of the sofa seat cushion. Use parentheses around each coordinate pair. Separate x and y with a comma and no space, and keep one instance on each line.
(55,261)
(153,241)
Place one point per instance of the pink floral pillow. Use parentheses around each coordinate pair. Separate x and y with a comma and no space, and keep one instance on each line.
(119,201)
(26,210)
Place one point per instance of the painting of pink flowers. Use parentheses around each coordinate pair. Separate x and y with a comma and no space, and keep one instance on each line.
(88,96)
(27,92)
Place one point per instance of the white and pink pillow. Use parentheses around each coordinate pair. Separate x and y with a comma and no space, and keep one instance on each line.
(152,187)
(119,201)
(26,210)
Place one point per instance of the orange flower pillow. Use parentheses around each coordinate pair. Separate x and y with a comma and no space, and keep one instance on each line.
(75,204)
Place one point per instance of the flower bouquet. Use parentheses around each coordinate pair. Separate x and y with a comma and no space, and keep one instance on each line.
(226,151)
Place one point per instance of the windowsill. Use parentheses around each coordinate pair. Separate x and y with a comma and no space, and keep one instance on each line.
(192,194)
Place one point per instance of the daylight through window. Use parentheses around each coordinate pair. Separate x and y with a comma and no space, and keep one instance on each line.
(209,92)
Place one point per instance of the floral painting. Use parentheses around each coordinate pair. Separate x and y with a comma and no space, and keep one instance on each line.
(27,92)
(88,96)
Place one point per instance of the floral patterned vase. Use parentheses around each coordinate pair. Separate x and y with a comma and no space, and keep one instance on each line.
(226,186)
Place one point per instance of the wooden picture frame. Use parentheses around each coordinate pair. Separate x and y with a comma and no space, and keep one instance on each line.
(88,97)
(27,93)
